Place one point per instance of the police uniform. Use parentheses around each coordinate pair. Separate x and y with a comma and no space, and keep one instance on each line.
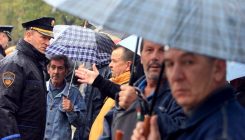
(7,30)
(22,88)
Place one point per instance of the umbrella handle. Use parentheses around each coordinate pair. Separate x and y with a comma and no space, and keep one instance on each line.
(146,126)
(119,135)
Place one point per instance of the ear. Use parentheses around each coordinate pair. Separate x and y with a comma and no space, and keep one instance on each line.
(48,70)
(129,63)
(219,70)
(27,35)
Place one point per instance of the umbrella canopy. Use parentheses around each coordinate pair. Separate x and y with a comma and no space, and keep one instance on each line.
(235,70)
(209,27)
(130,43)
(82,44)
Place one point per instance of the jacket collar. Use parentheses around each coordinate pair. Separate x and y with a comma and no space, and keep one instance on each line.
(2,51)
(210,105)
(64,92)
(164,87)
(30,51)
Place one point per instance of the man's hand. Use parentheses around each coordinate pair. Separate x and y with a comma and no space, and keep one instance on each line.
(127,96)
(138,133)
(85,75)
(67,104)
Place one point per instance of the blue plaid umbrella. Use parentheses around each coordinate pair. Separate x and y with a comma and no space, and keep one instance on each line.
(209,27)
(82,44)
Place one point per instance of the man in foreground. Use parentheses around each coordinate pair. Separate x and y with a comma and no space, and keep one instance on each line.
(198,84)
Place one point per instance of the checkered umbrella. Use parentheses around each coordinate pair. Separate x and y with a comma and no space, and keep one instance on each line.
(81,44)
(209,27)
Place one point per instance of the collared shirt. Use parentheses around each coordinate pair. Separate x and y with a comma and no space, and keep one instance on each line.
(55,90)
(58,123)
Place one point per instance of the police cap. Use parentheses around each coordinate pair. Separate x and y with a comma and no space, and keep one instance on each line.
(7,29)
(43,25)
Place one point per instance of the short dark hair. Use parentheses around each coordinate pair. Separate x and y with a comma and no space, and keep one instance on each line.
(58,58)
(128,55)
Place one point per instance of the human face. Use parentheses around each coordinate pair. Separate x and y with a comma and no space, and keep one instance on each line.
(4,40)
(38,40)
(191,76)
(57,72)
(152,55)
(118,65)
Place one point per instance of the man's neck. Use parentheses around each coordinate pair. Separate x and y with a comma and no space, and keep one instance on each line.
(57,85)
(150,87)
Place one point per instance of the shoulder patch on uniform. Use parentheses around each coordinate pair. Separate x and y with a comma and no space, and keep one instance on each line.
(8,78)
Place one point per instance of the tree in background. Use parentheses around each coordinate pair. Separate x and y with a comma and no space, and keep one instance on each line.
(15,12)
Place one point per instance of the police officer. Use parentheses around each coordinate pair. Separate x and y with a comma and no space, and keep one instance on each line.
(5,38)
(22,86)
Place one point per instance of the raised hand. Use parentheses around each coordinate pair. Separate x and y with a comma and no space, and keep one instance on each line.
(85,75)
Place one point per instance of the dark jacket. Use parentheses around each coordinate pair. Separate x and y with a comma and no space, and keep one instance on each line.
(219,117)
(2,52)
(94,101)
(170,115)
(23,94)
(106,87)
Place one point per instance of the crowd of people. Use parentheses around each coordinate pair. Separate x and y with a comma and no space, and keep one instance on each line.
(37,101)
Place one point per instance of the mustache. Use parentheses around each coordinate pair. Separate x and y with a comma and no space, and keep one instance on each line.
(55,76)
(155,64)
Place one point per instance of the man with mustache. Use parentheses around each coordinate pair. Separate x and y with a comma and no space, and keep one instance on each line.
(172,116)
(66,106)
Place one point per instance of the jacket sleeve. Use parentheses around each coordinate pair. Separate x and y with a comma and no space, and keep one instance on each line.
(11,85)
(170,118)
(106,87)
(77,116)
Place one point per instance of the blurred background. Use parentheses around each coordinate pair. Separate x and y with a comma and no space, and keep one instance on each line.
(15,12)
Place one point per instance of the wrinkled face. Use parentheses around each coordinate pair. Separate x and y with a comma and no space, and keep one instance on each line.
(192,77)
(57,72)
(4,40)
(39,41)
(118,65)
(152,58)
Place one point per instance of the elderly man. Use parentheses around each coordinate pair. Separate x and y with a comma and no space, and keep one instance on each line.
(198,84)
(65,104)
(5,37)
(22,87)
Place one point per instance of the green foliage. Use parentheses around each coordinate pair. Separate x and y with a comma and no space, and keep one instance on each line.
(15,12)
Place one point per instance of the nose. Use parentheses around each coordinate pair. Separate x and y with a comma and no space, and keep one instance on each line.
(110,65)
(47,42)
(176,73)
(56,70)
